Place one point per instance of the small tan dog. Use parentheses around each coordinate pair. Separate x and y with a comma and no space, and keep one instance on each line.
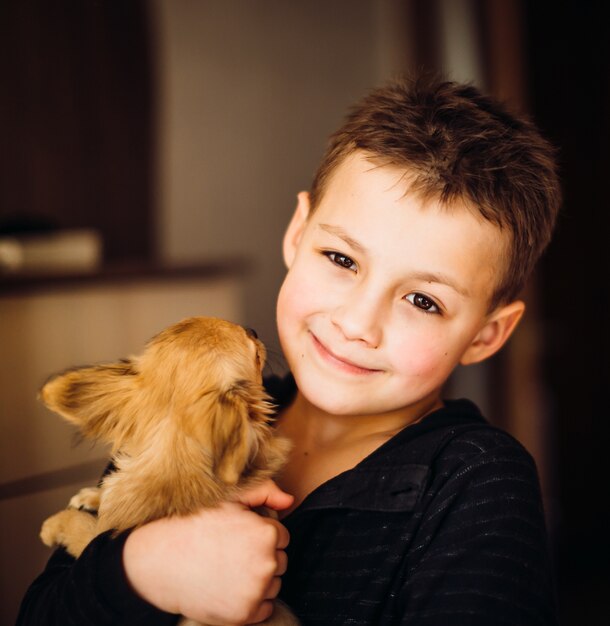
(189,424)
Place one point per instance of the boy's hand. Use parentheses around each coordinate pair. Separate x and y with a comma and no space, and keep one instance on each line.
(217,566)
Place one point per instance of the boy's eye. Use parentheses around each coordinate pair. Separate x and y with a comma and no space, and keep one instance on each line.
(341,260)
(423,302)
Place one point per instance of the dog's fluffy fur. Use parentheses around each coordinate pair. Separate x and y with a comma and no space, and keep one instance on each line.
(189,424)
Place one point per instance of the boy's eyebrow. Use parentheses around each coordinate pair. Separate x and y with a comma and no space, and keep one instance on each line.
(441,279)
(337,231)
(427,277)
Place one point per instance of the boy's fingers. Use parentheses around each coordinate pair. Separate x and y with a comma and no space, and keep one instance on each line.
(274,588)
(283,536)
(264,611)
(266,494)
(282,563)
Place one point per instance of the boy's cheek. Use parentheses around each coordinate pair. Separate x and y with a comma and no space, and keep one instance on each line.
(288,303)
(291,311)
(424,359)
(299,296)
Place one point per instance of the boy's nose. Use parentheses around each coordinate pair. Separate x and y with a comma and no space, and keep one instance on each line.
(360,321)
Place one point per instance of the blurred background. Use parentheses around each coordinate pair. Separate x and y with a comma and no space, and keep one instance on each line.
(151,155)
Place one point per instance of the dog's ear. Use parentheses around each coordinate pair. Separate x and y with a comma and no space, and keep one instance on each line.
(233,419)
(94,398)
(230,430)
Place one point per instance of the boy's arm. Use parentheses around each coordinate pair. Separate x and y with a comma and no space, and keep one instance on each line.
(91,590)
(481,552)
(180,564)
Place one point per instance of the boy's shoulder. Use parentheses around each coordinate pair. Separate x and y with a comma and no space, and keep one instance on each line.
(481,444)
(478,467)
(458,450)
(459,433)
(472,439)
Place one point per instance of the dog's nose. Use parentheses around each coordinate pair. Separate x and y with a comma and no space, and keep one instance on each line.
(251,332)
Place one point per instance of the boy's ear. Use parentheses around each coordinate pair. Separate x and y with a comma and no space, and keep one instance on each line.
(494,334)
(296,227)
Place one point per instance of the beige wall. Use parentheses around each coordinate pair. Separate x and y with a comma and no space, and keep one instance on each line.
(249,92)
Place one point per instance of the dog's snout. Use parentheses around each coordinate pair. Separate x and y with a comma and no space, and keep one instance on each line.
(251,332)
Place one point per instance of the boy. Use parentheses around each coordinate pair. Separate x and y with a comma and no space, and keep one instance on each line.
(406,258)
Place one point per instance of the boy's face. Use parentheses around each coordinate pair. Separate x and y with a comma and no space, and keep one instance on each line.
(383,296)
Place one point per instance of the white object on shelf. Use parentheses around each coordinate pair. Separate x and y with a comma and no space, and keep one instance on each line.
(63,249)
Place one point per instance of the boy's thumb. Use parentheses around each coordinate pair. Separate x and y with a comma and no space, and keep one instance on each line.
(266,494)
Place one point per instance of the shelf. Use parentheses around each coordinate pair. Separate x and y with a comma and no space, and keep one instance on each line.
(21,283)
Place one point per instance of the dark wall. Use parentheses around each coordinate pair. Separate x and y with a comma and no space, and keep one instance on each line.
(569,65)
(76,119)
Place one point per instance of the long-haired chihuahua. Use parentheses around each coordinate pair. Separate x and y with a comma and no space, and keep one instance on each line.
(189,423)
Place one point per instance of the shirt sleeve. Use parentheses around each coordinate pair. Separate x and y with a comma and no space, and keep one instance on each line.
(481,555)
(92,590)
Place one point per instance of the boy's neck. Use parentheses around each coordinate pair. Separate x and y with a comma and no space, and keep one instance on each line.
(308,423)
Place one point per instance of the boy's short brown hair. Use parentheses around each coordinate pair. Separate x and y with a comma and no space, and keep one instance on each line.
(459,145)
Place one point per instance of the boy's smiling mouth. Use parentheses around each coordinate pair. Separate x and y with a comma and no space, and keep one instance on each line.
(339,362)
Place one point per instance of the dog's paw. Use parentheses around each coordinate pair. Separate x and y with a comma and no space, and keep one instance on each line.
(50,531)
(87,499)
(71,529)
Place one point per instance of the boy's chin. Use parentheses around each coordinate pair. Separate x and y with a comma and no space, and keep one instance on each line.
(339,402)
(361,400)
